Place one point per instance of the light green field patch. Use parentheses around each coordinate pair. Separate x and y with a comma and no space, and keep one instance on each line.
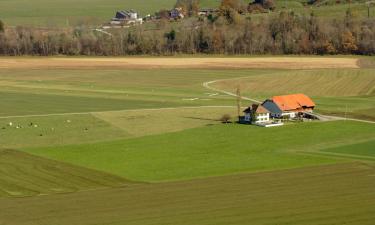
(22,175)
(311,82)
(212,150)
(157,121)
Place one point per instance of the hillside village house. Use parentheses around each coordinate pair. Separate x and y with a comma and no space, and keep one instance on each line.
(288,105)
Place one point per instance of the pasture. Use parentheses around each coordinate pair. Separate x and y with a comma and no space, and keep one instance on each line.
(326,195)
(26,175)
(336,91)
(212,150)
(66,13)
(139,141)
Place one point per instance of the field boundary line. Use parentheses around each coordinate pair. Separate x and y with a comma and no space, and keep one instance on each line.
(207,85)
(123,110)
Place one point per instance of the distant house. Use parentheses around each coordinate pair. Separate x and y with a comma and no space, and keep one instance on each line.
(126,17)
(288,105)
(256,114)
(176,13)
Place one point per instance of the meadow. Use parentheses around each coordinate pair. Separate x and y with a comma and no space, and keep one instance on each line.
(336,91)
(94,144)
(66,13)
(184,155)
(325,195)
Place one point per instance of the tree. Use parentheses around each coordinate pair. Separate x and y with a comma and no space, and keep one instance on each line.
(237,5)
(189,7)
(348,42)
(2,27)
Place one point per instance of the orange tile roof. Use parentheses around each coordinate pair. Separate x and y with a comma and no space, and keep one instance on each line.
(292,102)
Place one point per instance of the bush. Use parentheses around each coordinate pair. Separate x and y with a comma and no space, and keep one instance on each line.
(226,118)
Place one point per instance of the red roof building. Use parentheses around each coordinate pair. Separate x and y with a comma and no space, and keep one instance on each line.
(294,102)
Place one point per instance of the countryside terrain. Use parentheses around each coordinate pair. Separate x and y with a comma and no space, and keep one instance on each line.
(139,140)
(65,13)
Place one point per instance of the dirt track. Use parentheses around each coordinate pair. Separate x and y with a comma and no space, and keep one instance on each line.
(162,62)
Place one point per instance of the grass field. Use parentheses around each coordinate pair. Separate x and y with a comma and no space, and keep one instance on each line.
(63,13)
(224,149)
(325,195)
(22,174)
(336,91)
(119,141)
(361,149)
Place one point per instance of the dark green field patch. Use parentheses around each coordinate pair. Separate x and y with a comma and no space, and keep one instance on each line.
(22,174)
(13,104)
(361,149)
(212,150)
(326,195)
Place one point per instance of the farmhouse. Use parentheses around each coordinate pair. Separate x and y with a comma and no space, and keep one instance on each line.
(256,114)
(176,13)
(288,105)
(126,17)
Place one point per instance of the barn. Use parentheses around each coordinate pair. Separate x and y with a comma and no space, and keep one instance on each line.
(288,105)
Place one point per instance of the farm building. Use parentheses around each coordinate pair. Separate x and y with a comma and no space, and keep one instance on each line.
(256,114)
(126,17)
(288,105)
(176,13)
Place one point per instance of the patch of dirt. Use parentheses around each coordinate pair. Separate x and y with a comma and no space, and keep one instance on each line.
(165,62)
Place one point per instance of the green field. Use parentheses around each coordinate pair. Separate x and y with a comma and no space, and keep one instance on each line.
(362,149)
(22,174)
(63,13)
(339,194)
(225,149)
(146,146)
(336,91)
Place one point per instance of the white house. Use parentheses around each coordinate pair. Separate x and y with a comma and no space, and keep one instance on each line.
(256,114)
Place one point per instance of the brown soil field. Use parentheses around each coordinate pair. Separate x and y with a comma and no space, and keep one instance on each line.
(165,62)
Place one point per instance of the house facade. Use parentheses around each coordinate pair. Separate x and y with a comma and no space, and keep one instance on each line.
(256,114)
(288,105)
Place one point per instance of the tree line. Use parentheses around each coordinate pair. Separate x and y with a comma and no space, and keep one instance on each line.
(226,32)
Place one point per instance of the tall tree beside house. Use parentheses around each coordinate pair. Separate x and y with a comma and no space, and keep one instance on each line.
(189,7)
(2,26)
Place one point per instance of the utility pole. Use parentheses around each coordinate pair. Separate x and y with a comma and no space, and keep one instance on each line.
(238,93)
(346,112)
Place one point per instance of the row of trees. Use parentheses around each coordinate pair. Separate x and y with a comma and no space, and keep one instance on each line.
(286,33)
